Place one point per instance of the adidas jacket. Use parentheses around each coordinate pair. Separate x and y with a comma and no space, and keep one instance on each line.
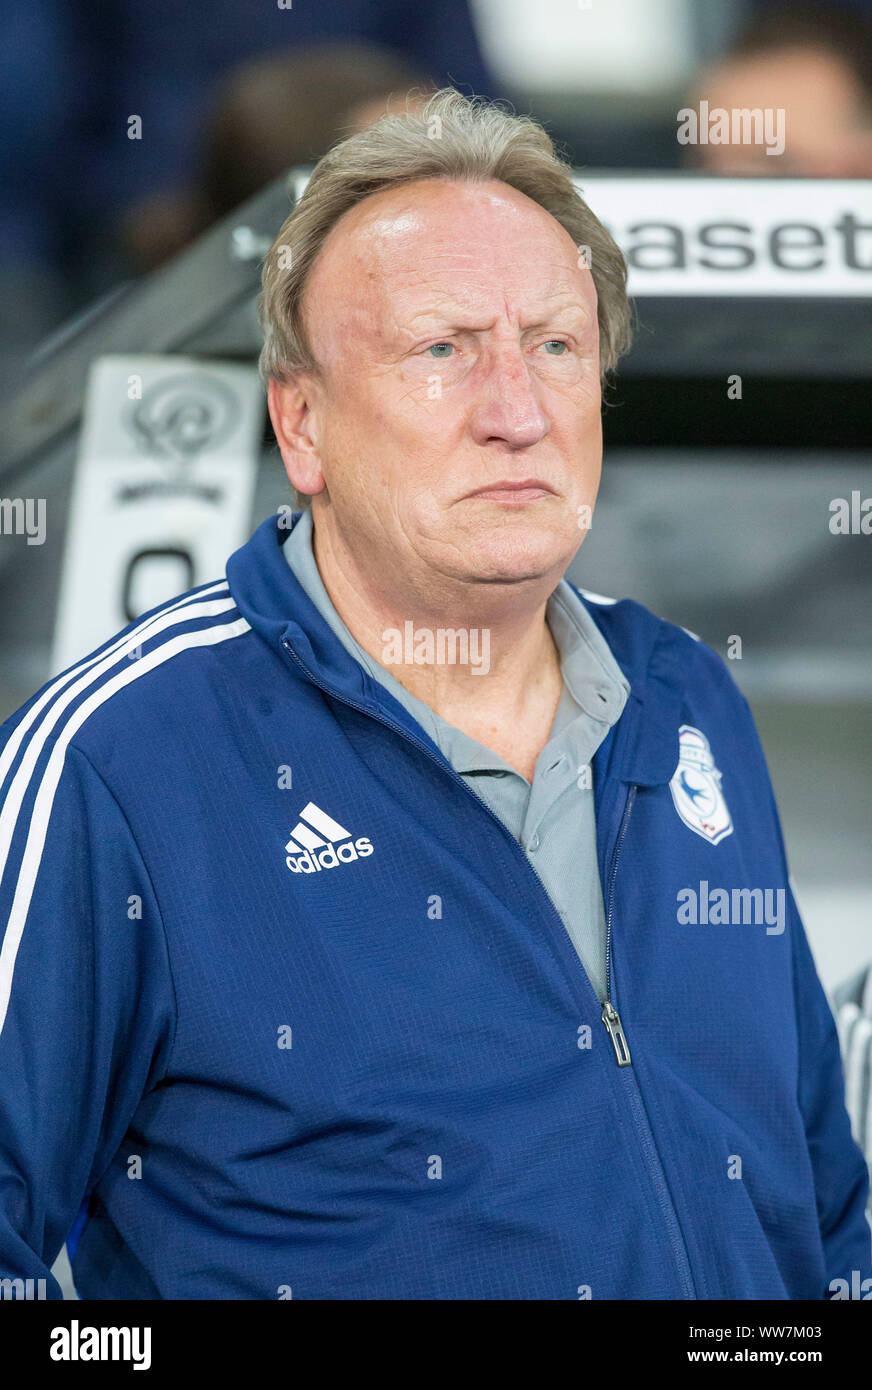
(386,1075)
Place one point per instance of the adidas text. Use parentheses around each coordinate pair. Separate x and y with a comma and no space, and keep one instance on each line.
(319,842)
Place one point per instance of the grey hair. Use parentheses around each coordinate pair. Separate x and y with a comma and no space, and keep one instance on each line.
(450,137)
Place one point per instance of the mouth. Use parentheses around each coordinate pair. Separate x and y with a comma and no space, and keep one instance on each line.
(513,492)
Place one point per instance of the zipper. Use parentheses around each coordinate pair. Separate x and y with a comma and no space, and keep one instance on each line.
(611,1017)
(612,1021)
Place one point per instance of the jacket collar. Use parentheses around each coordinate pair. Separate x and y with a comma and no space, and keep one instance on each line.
(654,655)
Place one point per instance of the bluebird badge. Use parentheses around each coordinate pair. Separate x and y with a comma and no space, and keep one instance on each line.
(696,788)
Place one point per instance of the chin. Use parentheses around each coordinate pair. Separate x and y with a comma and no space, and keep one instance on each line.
(525,556)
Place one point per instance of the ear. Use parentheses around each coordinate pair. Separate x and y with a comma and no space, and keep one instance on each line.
(294,415)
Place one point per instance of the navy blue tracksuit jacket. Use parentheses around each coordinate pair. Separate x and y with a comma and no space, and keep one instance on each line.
(290,1003)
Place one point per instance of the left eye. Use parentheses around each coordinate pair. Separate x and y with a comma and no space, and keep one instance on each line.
(555,346)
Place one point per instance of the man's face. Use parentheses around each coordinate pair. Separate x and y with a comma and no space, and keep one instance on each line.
(457,338)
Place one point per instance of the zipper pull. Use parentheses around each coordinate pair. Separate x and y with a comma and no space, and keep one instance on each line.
(612,1020)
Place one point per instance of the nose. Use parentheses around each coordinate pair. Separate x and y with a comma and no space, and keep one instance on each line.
(508,410)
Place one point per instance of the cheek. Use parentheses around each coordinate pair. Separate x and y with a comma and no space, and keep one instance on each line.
(373,428)
(352,419)
(422,416)
(576,411)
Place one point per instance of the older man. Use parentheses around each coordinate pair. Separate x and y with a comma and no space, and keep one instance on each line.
(316,908)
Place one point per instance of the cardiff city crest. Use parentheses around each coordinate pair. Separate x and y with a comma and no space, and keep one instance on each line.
(696,788)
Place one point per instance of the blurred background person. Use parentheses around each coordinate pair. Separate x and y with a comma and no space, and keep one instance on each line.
(228,96)
(85,201)
(270,115)
(814,62)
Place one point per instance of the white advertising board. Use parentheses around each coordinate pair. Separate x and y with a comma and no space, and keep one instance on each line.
(162,491)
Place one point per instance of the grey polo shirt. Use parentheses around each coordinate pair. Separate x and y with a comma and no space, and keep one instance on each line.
(552,819)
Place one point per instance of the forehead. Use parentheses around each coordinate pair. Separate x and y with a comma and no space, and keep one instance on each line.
(435,238)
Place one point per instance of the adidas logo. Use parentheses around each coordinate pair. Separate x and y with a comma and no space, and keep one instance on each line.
(317,842)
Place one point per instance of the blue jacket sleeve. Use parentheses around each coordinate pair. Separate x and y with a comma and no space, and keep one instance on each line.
(87,1009)
(840,1171)
(841,1176)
